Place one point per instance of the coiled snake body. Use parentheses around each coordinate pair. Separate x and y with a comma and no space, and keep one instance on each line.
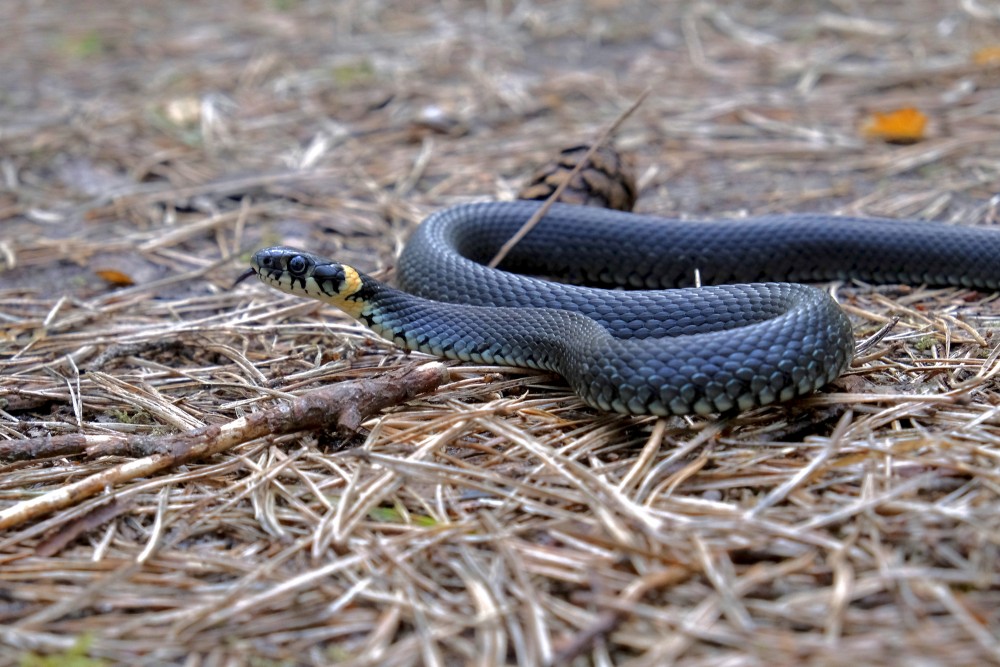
(736,345)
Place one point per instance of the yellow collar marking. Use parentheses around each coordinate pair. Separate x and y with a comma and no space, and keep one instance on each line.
(352,283)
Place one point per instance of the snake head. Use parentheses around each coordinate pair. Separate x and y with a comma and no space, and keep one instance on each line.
(283,267)
(297,272)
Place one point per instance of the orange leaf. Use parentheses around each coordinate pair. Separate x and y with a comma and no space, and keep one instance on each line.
(902,126)
(115,277)
(987,55)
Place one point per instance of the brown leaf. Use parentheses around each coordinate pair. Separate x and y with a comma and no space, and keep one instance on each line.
(115,277)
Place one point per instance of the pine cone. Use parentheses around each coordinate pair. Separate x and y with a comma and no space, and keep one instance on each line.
(606,180)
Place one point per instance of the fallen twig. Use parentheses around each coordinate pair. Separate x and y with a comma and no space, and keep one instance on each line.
(344,406)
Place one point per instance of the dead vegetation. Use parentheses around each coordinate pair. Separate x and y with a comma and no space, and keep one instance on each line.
(495,520)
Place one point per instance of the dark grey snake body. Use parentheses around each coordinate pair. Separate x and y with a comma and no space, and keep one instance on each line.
(732,346)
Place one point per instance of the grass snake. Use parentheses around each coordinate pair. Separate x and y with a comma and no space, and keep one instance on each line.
(742,342)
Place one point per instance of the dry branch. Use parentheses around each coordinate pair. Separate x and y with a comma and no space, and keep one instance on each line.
(343,406)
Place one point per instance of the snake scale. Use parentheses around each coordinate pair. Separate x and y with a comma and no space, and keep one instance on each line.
(738,341)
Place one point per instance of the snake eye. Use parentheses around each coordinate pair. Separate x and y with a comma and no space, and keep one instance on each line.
(297,264)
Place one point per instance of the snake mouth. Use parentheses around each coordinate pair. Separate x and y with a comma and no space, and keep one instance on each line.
(243,276)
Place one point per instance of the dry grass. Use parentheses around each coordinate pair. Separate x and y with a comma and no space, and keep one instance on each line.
(497,521)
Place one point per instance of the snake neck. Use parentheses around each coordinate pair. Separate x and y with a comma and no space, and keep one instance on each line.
(356,294)
(341,286)
(526,337)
